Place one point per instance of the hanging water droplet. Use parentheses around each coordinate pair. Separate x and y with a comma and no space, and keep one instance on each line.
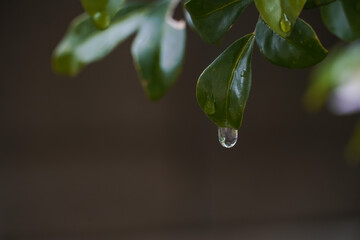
(209,106)
(285,24)
(101,20)
(227,137)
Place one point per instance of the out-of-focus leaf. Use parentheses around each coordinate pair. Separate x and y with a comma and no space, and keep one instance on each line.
(342,18)
(101,11)
(158,49)
(340,67)
(189,21)
(317,3)
(223,88)
(300,49)
(84,44)
(213,18)
(352,151)
(280,15)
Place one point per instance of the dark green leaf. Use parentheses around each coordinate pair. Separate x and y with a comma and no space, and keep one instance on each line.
(101,11)
(317,3)
(342,18)
(301,49)
(280,15)
(213,18)
(158,50)
(223,88)
(84,44)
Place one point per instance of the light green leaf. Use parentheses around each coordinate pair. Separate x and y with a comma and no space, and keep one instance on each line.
(158,50)
(84,44)
(336,70)
(300,49)
(213,18)
(223,88)
(101,11)
(317,3)
(280,15)
(342,18)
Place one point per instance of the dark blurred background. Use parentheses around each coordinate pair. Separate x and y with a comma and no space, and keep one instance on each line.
(91,158)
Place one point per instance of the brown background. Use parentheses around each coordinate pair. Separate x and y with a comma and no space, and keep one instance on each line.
(91,157)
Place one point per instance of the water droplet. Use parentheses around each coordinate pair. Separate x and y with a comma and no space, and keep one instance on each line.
(101,20)
(209,106)
(285,24)
(227,137)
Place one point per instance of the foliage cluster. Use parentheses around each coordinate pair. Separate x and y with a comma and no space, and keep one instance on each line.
(158,48)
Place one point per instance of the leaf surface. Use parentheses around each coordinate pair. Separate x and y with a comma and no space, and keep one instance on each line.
(299,50)
(342,18)
(84,44)
(158,50)
(213,18)
(223,88)
(101,11)
(280,15)
(340,68)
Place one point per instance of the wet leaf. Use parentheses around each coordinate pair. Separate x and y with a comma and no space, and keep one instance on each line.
(213,18)
(300,49)
(280,15)
(158,49)
(223,88)
(84,44)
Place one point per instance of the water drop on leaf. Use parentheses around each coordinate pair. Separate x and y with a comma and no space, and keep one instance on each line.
(285,24)
(227,137)
(101,20)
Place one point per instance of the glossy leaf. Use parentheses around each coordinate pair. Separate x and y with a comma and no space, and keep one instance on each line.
(299,50)
(339,71)
(101,11)
(84,44)
(158,50)
(223,88)
(280,15)
(317,3)
(213,18)
(342,18)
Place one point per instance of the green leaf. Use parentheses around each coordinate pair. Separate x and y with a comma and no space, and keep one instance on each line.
(189,21)
(280,15)
(299,50)
(101,11)
(342,18)
(213,18)
(317,3)
(84,44)
(158,50)
(352,151)
(336,70)
(223,88)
